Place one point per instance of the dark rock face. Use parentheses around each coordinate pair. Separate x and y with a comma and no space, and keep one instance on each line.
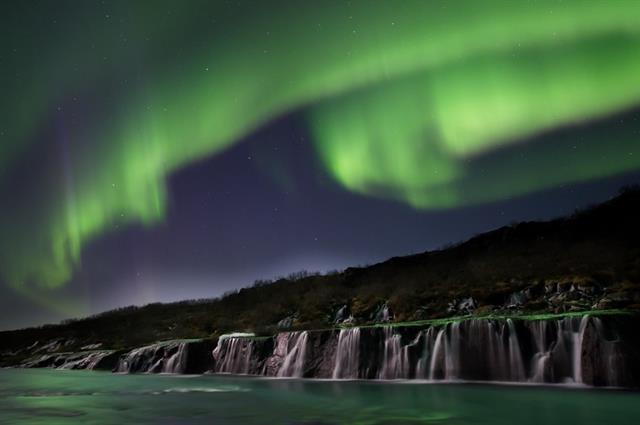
(321,352)
(589,350)
(610,352)
(198,357)
(559,296)
(596,351)
(108,362)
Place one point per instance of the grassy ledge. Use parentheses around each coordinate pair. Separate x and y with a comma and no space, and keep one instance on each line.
(515,316)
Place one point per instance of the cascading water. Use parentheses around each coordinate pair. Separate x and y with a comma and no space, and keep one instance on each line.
(452,358)
(233,355)
(492,350)
(541,361)
(347,358)
(86,360)
(163,357)
(445,354)
(516,367)
(569,347)
(422,366)
(393,360)
(486,342)
(138,360)
(569,350)
(294,360)
(438,352)
(577,350)
(177,362)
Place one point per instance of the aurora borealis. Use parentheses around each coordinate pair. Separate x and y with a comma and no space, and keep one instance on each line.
(431,105)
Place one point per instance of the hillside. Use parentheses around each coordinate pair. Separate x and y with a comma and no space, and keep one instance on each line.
(589,260)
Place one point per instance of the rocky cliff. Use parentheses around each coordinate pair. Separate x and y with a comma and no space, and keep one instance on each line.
(598,350)
(583,349)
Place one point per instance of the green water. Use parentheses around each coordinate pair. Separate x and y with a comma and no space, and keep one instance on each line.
(39,396)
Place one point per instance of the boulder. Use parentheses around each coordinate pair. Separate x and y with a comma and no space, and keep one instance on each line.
(517,299)
(462,306)
(287,322)
(341,315)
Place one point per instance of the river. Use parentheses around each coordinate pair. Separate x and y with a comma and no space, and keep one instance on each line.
(52,397)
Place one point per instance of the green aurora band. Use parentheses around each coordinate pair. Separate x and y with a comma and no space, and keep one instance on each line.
(426,102)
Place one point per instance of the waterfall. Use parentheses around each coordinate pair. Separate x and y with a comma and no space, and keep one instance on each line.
(489,350)
(577,349)
(541,361)
(95,359)
(567,352)
(539,330)
(177,362)
(570,350)
(233,354)
(516,366)
(84,360)
(439,351)
(422,367)
(452,358)
(393,356)
(347,358)
(137,360)
(293,364)
(445,358)
(163,357)
(495,355)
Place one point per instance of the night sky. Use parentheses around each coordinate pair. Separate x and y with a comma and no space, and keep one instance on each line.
(164,150)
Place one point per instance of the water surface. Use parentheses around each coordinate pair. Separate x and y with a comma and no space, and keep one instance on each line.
(44,396)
